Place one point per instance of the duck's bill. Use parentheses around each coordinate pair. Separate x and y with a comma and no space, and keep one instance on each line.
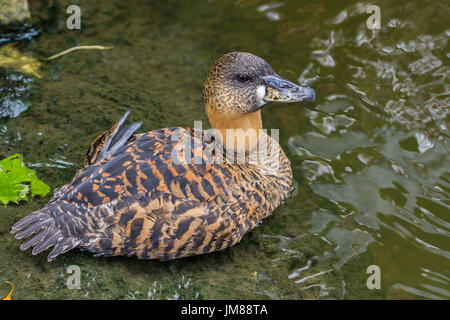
(282,90)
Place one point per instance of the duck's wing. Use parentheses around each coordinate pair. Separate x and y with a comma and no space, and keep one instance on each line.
(145,164)
(168,227)
(124,190)
(110,141)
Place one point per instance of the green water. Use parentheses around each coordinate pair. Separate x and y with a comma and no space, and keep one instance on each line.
(370,157)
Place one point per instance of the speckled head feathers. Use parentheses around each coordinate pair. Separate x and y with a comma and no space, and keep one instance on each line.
(232,83)
(240,82)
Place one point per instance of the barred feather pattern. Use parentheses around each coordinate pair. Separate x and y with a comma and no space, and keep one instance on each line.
(135,201)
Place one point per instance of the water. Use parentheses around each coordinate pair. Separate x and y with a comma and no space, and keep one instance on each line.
(370,156)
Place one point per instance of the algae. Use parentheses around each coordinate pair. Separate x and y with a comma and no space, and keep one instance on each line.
(11,58)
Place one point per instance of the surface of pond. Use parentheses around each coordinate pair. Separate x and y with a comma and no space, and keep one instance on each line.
(370,157)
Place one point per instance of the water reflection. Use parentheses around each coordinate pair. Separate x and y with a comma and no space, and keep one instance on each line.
(270,13)
(374,146)
(14,93)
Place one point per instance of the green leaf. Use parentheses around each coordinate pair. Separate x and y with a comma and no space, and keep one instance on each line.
(16,181)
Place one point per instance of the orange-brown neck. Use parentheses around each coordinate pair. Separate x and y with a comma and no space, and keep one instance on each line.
(244,127)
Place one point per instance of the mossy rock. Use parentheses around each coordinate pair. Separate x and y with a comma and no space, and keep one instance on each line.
(14,12)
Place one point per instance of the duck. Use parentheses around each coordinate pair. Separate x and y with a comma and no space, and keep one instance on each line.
(155,196)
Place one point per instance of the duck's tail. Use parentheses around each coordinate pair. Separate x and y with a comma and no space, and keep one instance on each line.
(49,227)
(62,224)
(111,140)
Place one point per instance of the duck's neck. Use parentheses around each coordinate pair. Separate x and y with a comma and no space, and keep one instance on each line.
(244,127)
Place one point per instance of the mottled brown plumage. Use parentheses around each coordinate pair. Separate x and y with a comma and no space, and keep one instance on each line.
(149,195)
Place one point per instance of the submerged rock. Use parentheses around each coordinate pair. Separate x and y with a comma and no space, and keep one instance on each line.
(14,11)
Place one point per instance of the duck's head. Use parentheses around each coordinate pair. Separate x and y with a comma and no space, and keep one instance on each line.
(239,84)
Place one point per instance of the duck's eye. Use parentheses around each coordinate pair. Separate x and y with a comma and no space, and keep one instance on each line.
(242,78)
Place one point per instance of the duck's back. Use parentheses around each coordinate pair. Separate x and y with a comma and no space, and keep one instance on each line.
(156,199)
